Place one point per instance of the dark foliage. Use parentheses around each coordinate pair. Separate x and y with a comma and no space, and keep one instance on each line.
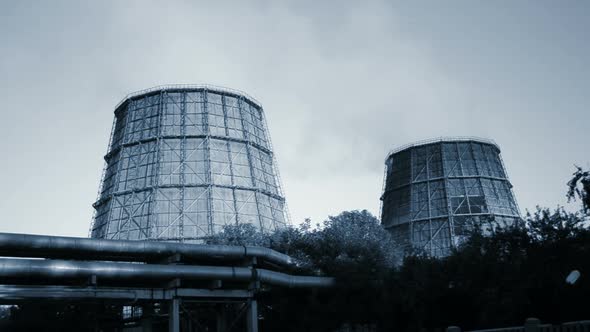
(494,280)
(60,316)
(579,187)
(497,277)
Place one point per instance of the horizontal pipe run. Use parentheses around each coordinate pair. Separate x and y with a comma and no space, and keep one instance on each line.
(291,281)
(11,293)
(43,246)
(67,269)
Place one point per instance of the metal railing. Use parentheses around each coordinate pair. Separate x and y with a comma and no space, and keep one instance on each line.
(208,87)
(443,139)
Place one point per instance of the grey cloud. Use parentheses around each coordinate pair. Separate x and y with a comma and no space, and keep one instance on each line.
(341,83)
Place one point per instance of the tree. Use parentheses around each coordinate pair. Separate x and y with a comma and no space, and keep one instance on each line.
(240,235)
(353,248)
(352,241)
(579,187)
(546,225)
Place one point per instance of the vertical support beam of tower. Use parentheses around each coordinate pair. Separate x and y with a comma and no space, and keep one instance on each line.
(450,212)
(508,179)
(250,163)
(229,157)
(383,191)
(118,174)
(479,171)
(182,163)
(489,166)
(411,198)
(460,161)
(102,178)
(208,171)
(275,167)
(174,315)
(252,316)
(428,157)
(151,219)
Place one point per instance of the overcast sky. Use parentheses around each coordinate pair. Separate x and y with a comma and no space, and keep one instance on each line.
(341,84)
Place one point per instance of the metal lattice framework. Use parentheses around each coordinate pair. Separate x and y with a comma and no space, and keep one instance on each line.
(435,190)
(185,160)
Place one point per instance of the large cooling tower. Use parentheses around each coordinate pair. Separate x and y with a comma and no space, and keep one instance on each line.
(435,191)
(183,161)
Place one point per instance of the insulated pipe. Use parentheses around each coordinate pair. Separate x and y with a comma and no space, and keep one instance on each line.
(63,269)
(43,246)
(287,280)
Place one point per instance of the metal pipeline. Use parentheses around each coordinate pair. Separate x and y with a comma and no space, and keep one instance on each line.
(291,281)
(43,246)
(64,269)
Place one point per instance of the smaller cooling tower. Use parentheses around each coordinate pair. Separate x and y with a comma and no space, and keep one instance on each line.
(436,190)
(185,160)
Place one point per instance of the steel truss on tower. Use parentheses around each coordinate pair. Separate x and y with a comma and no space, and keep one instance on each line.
(185,160)
(435,191)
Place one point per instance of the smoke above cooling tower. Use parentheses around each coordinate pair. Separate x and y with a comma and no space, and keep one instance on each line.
(182,162)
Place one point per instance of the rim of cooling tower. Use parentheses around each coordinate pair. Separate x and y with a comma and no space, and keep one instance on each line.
(443,139)
(189,87)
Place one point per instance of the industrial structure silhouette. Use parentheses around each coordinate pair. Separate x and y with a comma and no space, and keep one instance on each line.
(436,190)
(185,160)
